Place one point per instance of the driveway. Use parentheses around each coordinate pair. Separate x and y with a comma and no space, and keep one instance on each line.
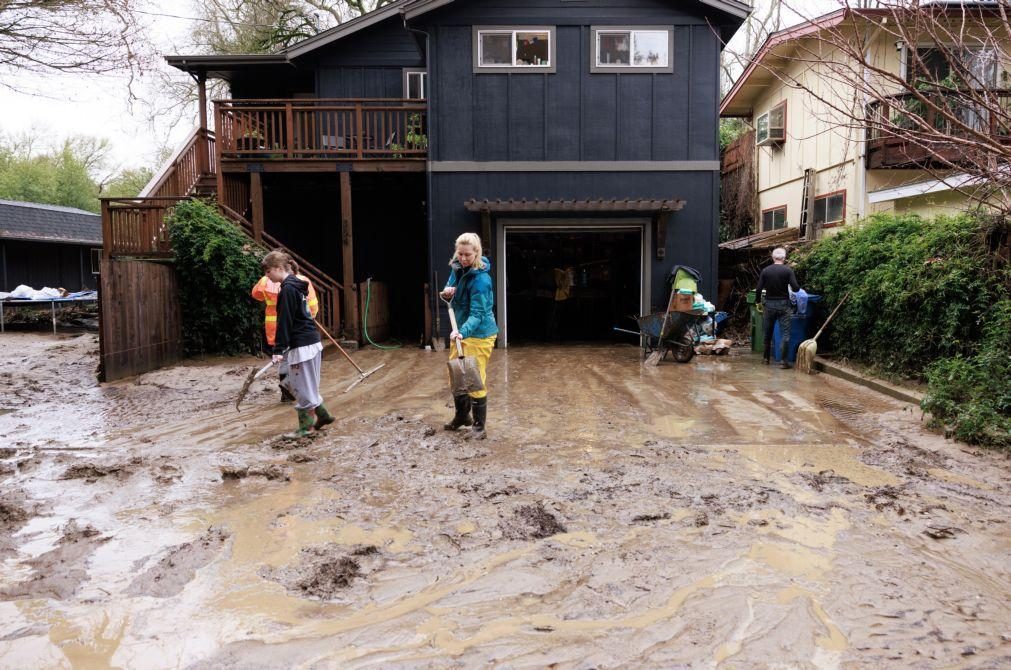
(719,513)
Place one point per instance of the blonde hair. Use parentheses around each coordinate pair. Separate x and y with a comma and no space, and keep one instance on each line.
(473,240)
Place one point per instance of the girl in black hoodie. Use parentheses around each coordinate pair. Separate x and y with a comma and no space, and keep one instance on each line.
(297,340)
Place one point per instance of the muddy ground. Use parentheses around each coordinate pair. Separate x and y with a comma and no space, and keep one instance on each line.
(719,513)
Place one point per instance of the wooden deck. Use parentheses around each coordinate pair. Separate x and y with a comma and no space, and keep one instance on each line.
(304,131)
(903,132)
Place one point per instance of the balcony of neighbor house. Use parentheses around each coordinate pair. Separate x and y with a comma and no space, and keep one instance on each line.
(315,134)
(904,132)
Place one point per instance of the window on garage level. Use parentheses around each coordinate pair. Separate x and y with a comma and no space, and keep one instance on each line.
(830,209)
(774,218)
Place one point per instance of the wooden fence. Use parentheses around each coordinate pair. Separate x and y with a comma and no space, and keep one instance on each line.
(139,318)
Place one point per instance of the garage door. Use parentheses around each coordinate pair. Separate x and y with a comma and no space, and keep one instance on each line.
(570,280)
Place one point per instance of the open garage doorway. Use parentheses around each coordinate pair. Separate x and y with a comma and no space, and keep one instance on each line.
(570,281)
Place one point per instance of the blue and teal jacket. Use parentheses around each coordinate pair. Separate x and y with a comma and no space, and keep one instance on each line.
(474,302)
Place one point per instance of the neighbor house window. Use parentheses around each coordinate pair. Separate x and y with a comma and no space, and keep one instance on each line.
(774,219)
(830,209)
(931,64)
(514,49)
(96,261)
(639,48)
(770,128)
(415,84)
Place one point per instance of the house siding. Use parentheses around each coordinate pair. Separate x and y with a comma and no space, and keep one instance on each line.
(369,64)
(575,115)
(39,264)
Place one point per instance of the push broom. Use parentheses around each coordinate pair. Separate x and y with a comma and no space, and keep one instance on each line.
(808,349)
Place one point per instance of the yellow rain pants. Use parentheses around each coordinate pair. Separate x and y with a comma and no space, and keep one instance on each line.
(480,348)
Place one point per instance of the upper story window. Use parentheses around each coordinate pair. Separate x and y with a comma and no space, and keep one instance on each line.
(770,128)
(932,64)
(632,48)
(520,49)
(415,84)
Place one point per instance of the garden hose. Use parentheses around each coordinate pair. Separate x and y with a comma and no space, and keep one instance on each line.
(365,321)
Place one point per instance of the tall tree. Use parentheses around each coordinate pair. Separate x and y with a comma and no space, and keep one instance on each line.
(89,36)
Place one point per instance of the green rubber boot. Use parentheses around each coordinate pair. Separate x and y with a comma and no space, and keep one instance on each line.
(306,421)
(323,417)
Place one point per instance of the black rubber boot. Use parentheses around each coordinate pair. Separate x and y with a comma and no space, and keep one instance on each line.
(480,415)
(323,417)
(286,395)
(462,417)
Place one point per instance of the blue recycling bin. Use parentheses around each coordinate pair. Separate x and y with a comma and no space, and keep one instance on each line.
(800,330)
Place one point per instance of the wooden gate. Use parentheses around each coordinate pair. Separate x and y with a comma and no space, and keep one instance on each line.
(140,319)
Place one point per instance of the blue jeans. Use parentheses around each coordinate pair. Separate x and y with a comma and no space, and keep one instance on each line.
(777,310)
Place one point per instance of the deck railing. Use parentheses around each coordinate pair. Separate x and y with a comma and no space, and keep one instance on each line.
(136,226)
(180,175)
(989,116)
(904,131)
(328,291)
(327,129)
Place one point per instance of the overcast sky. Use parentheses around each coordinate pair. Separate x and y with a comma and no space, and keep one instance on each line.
(100,106)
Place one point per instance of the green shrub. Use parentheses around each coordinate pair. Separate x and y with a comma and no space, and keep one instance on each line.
(217,266)
(928,300)
(971,397)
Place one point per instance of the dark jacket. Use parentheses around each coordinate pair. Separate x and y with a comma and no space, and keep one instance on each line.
(474,301)
(775,279)
(295,325)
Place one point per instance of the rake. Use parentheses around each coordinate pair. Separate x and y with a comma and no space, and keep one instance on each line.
(362,374)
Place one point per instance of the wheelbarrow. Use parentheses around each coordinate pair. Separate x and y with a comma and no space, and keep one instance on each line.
(679,337)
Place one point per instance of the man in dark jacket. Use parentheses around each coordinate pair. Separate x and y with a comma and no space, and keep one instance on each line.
(777,280)
(297,341)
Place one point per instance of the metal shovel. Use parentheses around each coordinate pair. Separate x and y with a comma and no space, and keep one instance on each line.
(464,373)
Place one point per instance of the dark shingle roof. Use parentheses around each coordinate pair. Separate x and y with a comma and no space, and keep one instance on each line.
(48,223)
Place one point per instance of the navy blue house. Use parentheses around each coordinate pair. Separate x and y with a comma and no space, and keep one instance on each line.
(577,137)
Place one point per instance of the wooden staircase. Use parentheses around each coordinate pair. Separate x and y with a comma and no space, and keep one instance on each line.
(136,226)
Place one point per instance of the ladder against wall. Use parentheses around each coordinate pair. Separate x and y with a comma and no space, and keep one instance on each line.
(807,228)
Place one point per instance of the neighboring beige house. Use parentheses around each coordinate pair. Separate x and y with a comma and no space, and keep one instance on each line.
(808,152)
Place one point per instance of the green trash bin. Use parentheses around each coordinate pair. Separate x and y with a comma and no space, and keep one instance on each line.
(757,333)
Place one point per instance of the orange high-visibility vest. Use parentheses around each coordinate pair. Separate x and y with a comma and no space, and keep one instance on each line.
(266,291)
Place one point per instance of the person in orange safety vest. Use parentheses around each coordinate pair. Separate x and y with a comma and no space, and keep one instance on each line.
(266,291)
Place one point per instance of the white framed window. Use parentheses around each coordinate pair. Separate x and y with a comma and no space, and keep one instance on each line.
(632,48)
(514,49)
(774,218)
(415,84)
(96,261)
(830,209)
(770,128)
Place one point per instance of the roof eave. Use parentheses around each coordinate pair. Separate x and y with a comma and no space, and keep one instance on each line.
(345,29)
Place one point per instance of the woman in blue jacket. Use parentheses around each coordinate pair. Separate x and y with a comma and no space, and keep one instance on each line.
(472,296)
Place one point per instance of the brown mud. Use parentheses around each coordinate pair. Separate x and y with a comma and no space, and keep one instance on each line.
(715,514)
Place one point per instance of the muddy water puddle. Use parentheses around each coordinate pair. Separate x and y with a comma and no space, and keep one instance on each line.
(712,514)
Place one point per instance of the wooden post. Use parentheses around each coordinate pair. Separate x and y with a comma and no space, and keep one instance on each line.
(486,232)
(219,139)
(348,250)
(661,234)
(256,196)
(428,314)
(289,130)
(359,135)
(202,157)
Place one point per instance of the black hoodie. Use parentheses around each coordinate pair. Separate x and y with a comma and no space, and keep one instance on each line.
(295,326)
